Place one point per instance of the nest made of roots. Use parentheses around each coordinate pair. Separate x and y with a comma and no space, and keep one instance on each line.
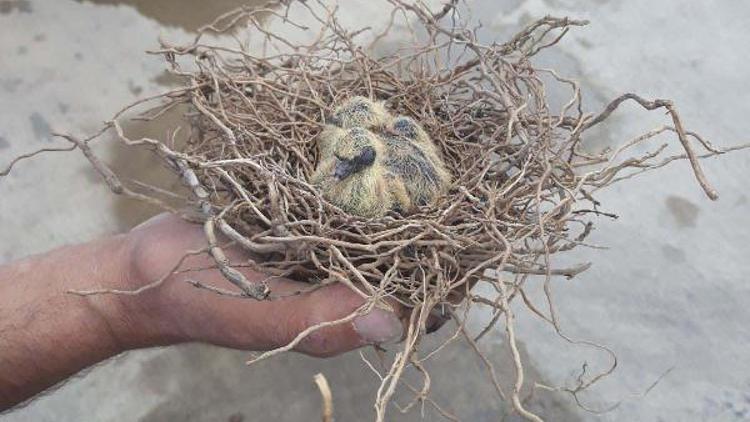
(518,167)
(523,185)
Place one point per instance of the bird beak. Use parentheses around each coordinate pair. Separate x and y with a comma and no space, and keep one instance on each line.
(342,169)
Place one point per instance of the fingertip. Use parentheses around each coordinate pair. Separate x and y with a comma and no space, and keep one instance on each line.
(379,327)
(338,302)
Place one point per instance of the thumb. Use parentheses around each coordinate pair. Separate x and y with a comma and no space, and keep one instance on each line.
(331,303)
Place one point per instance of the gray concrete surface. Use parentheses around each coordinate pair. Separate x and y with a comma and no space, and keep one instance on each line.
(671,291)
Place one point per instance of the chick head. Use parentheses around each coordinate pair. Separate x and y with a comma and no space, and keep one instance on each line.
(408,128)
(328,138)
(355,152)
(359,112)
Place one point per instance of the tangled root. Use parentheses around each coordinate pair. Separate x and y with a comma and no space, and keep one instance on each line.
(524,187)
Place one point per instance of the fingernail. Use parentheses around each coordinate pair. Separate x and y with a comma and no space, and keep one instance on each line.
(379,327)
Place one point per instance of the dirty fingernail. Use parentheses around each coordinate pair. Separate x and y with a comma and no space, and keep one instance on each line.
(379,327)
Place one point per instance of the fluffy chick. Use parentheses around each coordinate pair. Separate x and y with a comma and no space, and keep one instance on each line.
(371,163)
(423,175)
(414,158)
(407,128)
(355,178)
(360,111)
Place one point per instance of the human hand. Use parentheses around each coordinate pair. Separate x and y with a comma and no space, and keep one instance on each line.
(48,335)
(177,312)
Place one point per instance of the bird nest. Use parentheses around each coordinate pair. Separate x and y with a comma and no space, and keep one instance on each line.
(523,185)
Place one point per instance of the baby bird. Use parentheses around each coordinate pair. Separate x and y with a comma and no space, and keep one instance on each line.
(360,112)
(424,177)
(413,157)
(371,163)
(356,112)
(408,129)
(355,178)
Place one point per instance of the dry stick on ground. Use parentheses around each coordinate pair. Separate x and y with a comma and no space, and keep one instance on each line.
(326,396)
(523,188)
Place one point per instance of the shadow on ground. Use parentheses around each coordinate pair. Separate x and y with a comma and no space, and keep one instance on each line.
(204,383)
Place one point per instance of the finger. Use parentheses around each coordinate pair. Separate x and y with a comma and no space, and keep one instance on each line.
(265,325)
(336,302)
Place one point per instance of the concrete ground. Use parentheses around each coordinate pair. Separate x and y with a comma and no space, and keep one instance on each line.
(670,293)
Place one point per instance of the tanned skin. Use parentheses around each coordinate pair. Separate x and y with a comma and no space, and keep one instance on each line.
(48,335)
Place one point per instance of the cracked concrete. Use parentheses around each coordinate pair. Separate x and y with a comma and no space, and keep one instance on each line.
(670,292)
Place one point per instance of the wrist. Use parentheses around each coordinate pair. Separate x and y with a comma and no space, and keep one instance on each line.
(49,334)
(142,308)
(103,297)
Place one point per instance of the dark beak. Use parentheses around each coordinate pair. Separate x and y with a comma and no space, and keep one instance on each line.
(343,169)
